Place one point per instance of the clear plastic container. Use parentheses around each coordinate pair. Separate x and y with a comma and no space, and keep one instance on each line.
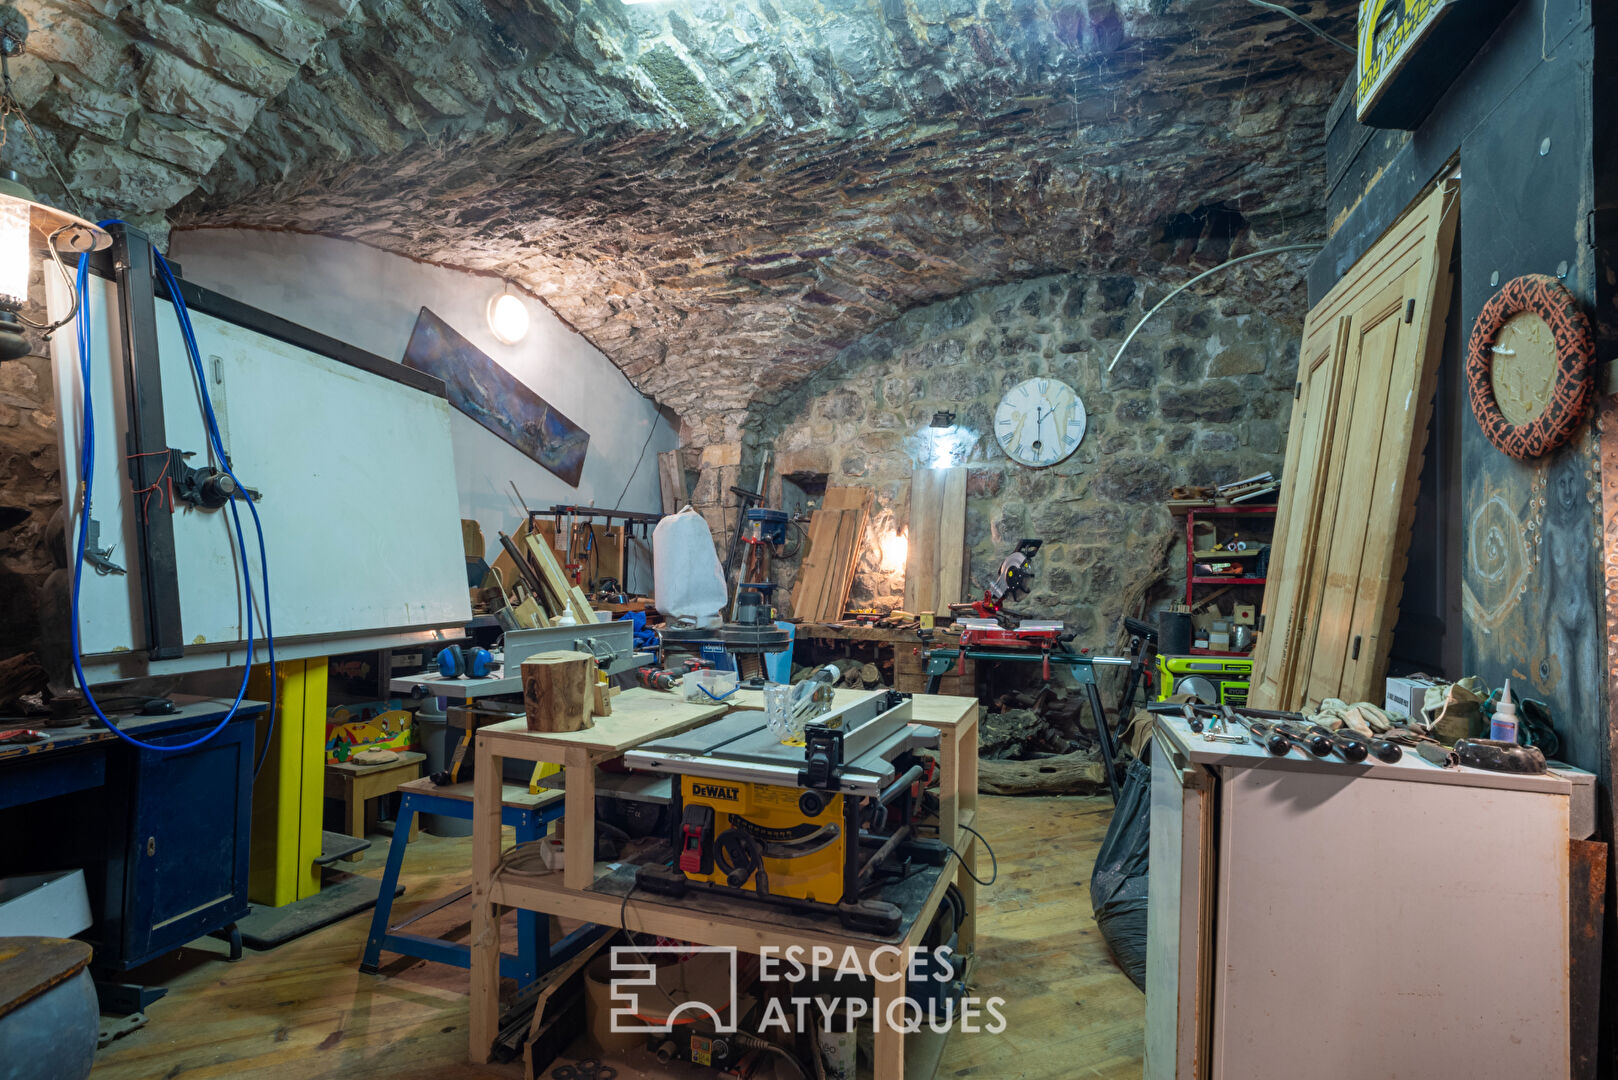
(709,685)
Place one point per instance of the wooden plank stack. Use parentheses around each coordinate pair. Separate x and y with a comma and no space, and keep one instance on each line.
(836,536)
(935,563)
(671,481)
(539,577)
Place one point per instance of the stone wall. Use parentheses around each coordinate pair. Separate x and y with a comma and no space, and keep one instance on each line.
(30,490)
(1203,396)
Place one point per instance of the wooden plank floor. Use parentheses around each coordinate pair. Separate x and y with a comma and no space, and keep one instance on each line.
(304,1012)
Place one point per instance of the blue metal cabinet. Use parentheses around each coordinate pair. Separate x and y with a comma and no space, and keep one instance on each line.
(162,836)
(185,862)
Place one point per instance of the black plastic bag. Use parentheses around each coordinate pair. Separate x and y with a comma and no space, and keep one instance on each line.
(1118,882)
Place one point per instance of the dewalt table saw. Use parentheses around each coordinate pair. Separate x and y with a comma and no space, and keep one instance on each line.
(807,823)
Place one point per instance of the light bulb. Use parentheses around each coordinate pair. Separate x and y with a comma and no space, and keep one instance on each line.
(14,253)
(508,318)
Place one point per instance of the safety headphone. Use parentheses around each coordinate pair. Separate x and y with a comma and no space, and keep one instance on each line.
(455,663)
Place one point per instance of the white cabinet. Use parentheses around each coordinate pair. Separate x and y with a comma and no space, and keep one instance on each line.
(1314,918)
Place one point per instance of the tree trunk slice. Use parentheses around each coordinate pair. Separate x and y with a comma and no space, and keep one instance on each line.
(558,689)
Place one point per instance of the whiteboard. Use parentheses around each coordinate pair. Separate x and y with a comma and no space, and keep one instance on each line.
(360,510)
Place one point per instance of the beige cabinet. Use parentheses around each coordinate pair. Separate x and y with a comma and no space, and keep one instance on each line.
(1352,922)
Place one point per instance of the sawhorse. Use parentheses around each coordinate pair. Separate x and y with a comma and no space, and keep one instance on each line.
(1143,654)
(529,815)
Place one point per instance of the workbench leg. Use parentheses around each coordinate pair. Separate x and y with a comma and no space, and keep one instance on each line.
(533,941)
(354,809)
(888,1046)
(967,936)
(579,835)
(484,1021)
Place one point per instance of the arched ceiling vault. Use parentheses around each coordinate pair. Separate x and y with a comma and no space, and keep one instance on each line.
(718,193)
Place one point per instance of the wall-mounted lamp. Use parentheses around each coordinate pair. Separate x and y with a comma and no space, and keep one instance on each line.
(508,316)
(27,224)
(943,419)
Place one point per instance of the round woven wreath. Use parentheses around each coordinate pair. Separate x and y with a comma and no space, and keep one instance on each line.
(1548,298)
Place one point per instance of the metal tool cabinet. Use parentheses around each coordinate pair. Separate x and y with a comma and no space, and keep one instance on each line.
(161,835)
(1315,918)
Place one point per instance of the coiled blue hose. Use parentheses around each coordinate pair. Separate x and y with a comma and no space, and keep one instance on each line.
(87,473)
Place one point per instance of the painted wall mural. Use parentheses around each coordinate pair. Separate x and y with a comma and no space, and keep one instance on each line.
(496,398)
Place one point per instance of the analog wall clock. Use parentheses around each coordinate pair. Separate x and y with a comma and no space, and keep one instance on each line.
(1039,422)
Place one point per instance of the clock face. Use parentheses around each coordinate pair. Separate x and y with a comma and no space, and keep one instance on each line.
(1039,422)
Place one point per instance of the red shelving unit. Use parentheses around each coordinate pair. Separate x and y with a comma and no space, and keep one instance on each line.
(1192,579)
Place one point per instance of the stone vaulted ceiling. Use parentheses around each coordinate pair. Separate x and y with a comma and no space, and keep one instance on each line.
(718,194)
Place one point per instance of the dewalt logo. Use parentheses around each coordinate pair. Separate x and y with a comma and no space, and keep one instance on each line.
(713,791)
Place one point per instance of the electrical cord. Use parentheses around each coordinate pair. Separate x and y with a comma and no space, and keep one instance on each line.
(87,481)
(994,872)
(632,473)
(236,497)
(1306,24)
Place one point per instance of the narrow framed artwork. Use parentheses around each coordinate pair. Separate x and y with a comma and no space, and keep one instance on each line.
(496,398)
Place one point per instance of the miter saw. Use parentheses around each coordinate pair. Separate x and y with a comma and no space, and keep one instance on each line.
(1016,579)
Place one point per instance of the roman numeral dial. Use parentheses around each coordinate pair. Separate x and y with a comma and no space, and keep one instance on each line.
(1040,422)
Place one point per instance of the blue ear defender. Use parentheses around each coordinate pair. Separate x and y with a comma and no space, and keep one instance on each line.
(457,663)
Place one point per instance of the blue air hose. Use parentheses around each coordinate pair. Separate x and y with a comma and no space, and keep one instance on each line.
(87,473)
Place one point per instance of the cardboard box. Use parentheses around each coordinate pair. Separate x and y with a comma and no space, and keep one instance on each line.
(1406,694)
(1246,614)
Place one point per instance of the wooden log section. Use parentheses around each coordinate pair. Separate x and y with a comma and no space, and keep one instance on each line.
(558,689)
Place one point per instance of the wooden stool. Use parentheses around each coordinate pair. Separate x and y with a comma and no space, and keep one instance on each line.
(357,785)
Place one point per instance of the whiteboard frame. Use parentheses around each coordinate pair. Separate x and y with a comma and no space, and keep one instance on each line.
(361,511)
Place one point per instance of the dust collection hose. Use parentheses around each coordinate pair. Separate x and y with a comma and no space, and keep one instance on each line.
(87,480)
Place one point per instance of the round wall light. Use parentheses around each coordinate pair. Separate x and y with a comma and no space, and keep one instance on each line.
(508,317)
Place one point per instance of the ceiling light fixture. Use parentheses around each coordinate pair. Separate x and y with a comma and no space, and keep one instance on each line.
(508,316)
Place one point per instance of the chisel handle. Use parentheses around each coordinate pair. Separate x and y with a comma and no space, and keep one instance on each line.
(1349,747)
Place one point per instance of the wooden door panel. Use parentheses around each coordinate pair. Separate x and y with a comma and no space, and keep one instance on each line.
(1354,451)
(1378,354)
(1298,501)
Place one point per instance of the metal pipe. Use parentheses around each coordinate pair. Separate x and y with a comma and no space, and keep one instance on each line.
(914,773)
(883,852)
(1199,277)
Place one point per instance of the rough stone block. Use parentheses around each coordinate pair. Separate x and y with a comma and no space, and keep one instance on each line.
(220,49)
(1132,479)
(174,86)
(84,47)
(191,148)
(90,108)
(1238,360)
(1216,402)
(114,176)
(290,28)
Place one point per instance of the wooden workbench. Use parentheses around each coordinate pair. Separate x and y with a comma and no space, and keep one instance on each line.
(595,893)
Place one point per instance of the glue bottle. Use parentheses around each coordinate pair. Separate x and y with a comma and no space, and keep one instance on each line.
(1503,728)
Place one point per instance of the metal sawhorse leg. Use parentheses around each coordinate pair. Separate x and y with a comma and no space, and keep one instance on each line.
(536,954)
